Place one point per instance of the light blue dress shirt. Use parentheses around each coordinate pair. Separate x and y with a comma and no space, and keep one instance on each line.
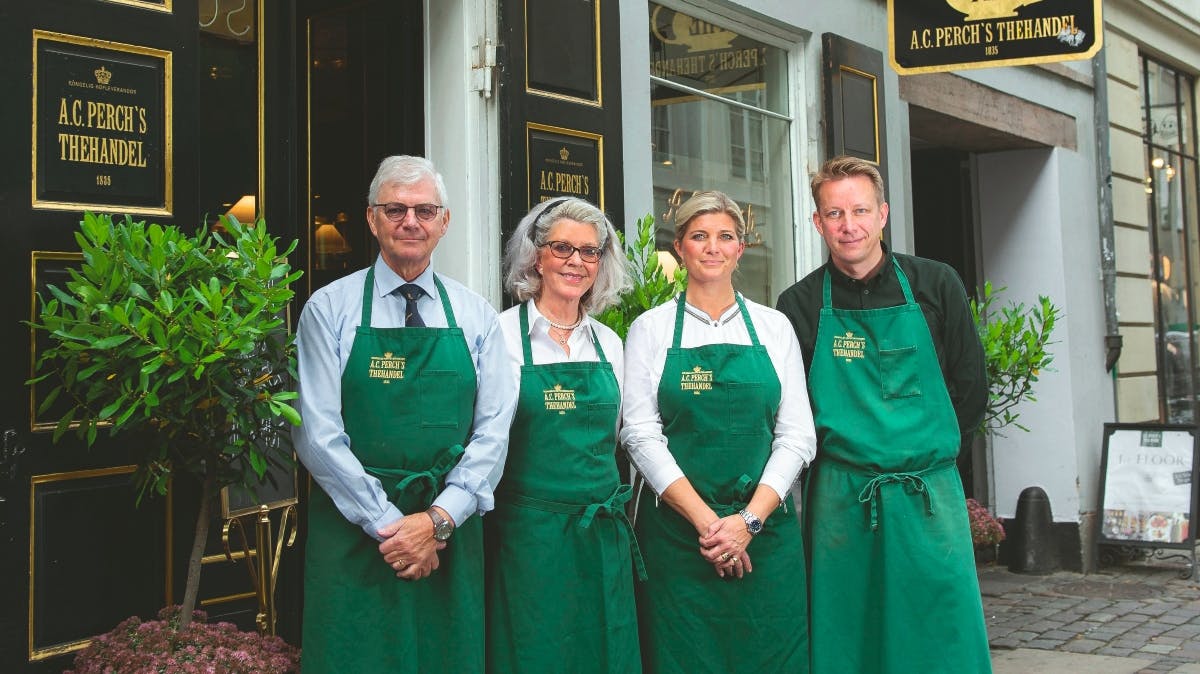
(324,338)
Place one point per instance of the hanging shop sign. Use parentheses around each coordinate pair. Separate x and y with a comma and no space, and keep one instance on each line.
(101,125)
(564,162)
(943,35)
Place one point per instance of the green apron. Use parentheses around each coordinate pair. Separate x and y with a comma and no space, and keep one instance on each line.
(407,422)
(893,584)
(559,577)
(718,405)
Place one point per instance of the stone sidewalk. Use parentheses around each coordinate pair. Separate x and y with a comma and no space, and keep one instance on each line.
(1136,617)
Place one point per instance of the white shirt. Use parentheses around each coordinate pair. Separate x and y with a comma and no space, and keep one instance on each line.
(795,442)
(324,337)
(545,349)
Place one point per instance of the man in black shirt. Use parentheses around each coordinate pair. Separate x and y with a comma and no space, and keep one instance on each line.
(897,381)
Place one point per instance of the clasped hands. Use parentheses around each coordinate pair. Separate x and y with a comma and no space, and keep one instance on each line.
(723,545)
(409,547)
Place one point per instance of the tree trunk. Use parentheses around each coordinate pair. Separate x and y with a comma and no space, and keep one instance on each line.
(192,589)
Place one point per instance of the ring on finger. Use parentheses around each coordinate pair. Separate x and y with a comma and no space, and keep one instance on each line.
(725,557)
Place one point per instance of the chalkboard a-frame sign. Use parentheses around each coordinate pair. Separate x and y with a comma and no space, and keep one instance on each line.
(1148,486)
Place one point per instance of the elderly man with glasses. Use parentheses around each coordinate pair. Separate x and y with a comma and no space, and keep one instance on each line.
(406,440)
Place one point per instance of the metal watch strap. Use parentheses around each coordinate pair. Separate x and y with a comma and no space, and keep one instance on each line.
(753,524)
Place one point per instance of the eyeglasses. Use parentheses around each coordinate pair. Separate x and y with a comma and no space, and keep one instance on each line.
(396,211)
(564,250)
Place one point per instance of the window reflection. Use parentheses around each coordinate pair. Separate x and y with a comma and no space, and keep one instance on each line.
(227,122)
(732,136)
(1169,133)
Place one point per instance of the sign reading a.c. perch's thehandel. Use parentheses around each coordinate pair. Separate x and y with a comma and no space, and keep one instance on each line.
(941,35)
(101,125)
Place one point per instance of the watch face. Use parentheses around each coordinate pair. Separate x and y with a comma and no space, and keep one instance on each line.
(442,531)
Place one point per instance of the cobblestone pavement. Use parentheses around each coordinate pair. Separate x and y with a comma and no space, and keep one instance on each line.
(1142,611)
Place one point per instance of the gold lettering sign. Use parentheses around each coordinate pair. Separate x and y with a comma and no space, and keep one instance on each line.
(386,367)
(564,162)
(849,346)
(696,380)
(559,399)
(946,35)
(102,125)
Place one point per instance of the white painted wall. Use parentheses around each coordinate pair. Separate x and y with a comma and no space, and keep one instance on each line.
(1040,238)
(461,138)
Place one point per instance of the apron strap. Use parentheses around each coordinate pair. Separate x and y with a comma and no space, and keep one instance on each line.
(914,481)
(613,506)
(450,322)
(429,479)
(677,338)
(525,348)
(746,317)
(368,296)
(826,301)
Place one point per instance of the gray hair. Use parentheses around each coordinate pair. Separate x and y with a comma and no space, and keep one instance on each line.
(520,257)
(403,169)
(711,201)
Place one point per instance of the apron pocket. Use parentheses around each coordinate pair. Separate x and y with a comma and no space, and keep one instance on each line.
(438,392)
(744,405)
(602,423)
(900,373)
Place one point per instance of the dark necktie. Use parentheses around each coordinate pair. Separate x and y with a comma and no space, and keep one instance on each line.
(412,292)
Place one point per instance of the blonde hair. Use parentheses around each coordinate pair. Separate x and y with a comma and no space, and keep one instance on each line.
(843,167)
(710,201)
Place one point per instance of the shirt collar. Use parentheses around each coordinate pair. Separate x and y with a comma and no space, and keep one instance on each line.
(536,317)
(728,315)
(873,279)
(387,281)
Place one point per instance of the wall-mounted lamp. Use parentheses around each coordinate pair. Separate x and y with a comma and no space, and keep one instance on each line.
(245,210)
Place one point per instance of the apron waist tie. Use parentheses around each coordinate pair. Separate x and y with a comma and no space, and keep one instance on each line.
(914,479)
(741,492)
(429,479)
(613,506)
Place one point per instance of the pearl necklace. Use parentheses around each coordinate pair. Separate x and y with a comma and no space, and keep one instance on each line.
(565,330)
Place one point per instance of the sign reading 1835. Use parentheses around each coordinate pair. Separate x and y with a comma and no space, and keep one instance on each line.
(941,35)
(101,125)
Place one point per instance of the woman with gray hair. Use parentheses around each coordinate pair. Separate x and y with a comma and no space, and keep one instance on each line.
(716,418)
(560,552)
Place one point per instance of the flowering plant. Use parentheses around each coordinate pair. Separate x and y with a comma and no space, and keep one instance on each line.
(164,646)
(986,530)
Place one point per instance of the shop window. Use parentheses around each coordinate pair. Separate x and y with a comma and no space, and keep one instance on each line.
(1169,133)
(720,120)
(227,122)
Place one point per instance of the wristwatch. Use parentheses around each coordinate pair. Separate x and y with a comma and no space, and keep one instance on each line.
(753,524)
(442,527)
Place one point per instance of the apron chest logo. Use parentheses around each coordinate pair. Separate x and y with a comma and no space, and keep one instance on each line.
(696,380)
(386,367)
(559,399)
(849,346)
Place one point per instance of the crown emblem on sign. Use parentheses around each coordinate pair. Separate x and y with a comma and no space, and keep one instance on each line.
(978,10)
(563,154)
(696,369)
(103,75)
(387,354)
